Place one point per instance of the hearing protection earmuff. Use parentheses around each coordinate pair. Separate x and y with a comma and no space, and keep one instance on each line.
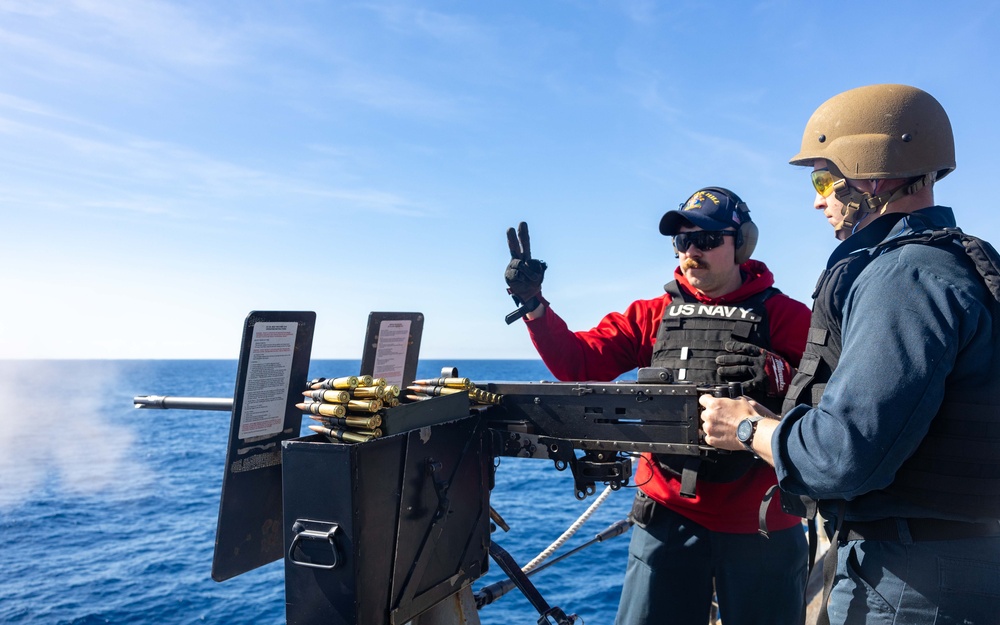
(746,234)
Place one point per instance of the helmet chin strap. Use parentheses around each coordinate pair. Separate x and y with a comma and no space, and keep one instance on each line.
(855,201)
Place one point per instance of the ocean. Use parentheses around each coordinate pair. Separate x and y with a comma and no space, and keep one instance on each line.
(108,513)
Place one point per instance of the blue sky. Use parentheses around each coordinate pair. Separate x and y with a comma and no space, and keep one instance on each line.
(167,167)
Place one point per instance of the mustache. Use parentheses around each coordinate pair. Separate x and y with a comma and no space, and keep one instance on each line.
(691,263)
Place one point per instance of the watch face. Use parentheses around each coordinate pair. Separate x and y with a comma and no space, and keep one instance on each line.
(744,430)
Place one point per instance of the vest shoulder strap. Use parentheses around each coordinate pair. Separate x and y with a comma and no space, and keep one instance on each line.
(982,254)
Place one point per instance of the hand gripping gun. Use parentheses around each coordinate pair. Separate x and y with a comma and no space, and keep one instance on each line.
(606,421)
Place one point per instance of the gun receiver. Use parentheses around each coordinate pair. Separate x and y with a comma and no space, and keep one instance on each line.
(605,420)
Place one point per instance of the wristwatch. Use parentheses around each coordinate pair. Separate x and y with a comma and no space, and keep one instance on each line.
(745,431)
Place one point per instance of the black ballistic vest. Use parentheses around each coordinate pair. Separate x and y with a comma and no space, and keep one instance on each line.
(690,336)
(956,469)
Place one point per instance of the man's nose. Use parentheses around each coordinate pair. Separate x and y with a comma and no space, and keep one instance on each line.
(820,202)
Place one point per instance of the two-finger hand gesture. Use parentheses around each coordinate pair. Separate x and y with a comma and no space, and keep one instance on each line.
(524,274)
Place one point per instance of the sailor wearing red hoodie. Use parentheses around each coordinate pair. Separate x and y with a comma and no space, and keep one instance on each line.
(720,320)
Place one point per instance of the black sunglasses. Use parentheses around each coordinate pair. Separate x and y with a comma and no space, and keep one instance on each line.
(704,240)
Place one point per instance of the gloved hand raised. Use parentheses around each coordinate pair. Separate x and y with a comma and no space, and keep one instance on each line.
(757,368)
(524,274)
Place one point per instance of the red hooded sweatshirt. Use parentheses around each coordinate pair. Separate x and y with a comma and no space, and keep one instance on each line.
(624,341)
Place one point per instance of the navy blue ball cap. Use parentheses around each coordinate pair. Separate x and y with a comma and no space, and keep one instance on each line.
(711,208)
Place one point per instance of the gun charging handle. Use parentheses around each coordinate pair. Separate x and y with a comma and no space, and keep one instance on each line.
(731,390)
(522,310)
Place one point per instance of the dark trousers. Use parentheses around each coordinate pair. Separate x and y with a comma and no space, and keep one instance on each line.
(935,582)
(673,561)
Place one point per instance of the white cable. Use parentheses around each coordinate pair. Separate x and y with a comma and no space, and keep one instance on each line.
(548,551)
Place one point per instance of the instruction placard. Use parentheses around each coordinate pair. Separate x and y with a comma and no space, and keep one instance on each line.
(390,355)
(268,372)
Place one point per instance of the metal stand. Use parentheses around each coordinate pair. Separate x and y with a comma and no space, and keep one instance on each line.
(458,609)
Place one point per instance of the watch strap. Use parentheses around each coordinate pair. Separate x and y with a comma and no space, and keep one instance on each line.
(748,444)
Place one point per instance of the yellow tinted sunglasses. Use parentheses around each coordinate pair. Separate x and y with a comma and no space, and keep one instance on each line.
(823,181)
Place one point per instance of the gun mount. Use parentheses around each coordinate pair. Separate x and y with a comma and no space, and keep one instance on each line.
(361,526)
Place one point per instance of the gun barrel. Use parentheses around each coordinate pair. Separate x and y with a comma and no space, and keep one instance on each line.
(183,403)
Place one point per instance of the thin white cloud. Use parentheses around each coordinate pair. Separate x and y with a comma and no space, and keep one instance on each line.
(643,12)
(447,28)
(112,170)
(140,28)
(143,45)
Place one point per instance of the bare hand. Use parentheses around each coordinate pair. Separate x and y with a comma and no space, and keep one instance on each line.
(720,417)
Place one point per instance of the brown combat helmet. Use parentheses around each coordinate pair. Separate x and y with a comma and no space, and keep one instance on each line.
(880,131)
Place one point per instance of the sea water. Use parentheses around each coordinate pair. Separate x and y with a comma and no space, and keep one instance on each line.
(108,514)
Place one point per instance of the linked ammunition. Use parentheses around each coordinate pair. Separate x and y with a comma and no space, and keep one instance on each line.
(368,392)
(476,395)
(320,408)
(390,402)
(365,405)
(335,397)
(375,433)
(343,384)
(368,423)
(434,390)
(449,382)
(391,389)
(345,436)
(484,397)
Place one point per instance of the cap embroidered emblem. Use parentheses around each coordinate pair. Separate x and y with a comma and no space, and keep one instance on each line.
(696,201)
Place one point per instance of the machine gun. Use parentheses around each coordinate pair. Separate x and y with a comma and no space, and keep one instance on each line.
(606,421)
(365,544)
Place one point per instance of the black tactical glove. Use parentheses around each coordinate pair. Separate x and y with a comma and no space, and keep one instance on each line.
(757,368)
(524,274)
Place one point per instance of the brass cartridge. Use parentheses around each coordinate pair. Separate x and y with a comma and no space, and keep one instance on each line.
(332,396)
(391,389)
(434,390)
(345,436)
(320,408)
(343,384)
(365,380)
(449,382)
(368,423)
(368,392)
(365,405)
(375,433)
